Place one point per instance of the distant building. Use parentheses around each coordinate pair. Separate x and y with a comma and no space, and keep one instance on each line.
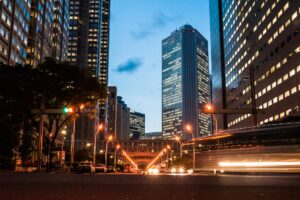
(152,136)
(185,83)
(123,120)
(112,111)
(40,43)
(137,125)
(255,59)
(14,28)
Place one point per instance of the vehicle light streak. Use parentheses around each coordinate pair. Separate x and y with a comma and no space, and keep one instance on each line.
(257,164)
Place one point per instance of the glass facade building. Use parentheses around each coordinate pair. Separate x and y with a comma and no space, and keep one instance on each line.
(40,42)
(137,125)
(14,28)
(261,55)
(185,83)
(61,30)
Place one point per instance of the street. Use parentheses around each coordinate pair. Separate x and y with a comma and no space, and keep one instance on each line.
(131,187)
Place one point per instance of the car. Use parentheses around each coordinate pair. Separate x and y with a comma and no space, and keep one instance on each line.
(178,170)
(110,169)
(98,168)
(85,167)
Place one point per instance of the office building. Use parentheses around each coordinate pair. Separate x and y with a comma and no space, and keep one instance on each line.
(217,61)
(259,68)
(40,41)
(112,111)
(14,27)
(137,125)
(61,30)
(123,120)
(185,83)
(89,36)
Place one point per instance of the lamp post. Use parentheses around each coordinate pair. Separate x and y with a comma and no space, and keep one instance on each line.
(115,158)
(177,138)
(100,127)
(210,108)
(108,140)
(63,133)
(189,129)
(169,147)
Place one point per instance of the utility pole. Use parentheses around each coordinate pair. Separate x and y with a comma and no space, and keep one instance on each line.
(41,134)
(73,141)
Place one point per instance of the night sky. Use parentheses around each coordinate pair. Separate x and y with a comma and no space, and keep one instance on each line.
(137,29)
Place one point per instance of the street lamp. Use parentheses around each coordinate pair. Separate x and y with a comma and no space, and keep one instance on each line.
(190,130)
(63,133)
(110,138)
(100,127)
(116,149)
(210,109)
(169,147)
(177,138)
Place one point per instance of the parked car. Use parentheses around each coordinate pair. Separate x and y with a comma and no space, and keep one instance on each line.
(85,167)
(98,168)
(110,169)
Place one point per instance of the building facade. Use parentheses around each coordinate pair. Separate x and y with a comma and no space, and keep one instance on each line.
(89,36)
(40,41)
(61,30)
(137,125)
(123,120)
(112,111)
(14,28)
(261,57)
(217,60)
(185,83)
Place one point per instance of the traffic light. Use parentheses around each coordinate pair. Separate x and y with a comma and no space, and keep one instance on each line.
(69,110)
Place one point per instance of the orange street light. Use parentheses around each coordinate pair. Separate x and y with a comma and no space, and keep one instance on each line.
(100,127)
(108,140)
(115,158)
(178,139)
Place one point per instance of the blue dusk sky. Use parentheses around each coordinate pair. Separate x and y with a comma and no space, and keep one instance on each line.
(137,29)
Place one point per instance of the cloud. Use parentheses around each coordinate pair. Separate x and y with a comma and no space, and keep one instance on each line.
(160,20)
(130,65)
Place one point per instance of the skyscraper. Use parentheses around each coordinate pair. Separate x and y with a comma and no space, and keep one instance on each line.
(217,60)
(123,120)
(14,27)
(261,58)
(185,83)
(40,41)
(89,35)
(137,125)
(112,111)
(60,30)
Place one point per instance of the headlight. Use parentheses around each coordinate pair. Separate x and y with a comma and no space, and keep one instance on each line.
(181,170)
(155,171)
(150,171)
(173,170)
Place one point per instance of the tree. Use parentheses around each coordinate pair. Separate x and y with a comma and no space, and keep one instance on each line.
(22,89)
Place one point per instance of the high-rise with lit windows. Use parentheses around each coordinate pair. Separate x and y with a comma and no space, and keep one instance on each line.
(40,41)
(185,83)
(261,45)
(60,30)
(14,27)
(88,49)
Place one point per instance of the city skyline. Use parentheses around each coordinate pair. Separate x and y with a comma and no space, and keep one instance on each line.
(135,48)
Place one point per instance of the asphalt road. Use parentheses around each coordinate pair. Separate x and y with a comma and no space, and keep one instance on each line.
(144,187)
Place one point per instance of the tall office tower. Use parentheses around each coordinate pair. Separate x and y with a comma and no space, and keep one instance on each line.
(112,111)
(14,27)
(137,125)
(60,30)
(104,56)
(123,120)
(217,60)
(89,41)
(40,31)
(185,83)
(261,47)
(85,44)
